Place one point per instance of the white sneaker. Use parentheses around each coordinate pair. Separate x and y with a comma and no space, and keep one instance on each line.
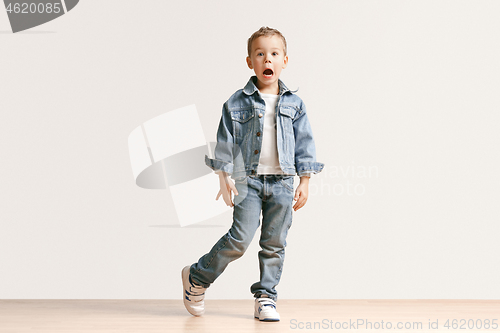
(265,309)
(192,294)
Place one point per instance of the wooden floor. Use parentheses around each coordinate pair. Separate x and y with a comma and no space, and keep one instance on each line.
(237,316)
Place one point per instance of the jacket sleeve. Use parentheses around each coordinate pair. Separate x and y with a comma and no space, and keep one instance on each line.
(305,149)
(223,153)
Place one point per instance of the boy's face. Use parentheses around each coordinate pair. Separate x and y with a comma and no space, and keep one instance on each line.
(267,59)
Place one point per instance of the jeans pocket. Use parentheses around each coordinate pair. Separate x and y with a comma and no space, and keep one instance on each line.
(241,179)
(287,183)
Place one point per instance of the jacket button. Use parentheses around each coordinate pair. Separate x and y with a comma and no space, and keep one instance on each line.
(256,151)
(260,115)
(258,133)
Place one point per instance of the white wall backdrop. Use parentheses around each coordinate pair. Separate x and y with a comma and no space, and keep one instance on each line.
(403,99)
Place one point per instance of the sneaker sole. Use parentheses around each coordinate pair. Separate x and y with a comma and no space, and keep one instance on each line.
(267,319)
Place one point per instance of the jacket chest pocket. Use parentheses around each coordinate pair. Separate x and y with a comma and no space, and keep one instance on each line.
(242,125)
(287,115)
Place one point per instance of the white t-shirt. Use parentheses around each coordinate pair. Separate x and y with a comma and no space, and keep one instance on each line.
(268,161)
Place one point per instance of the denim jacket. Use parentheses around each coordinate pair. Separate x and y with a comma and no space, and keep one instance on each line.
(239,136)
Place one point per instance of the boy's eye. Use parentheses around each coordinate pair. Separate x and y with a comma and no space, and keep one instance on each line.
(260,54)
(275,53)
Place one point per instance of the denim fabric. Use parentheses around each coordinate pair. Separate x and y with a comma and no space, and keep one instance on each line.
(273,194)
(239,136)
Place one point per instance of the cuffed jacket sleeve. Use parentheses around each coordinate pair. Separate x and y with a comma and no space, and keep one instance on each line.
(305,149)
(223,153)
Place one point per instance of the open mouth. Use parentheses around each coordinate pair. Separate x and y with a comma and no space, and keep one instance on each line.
(268,72)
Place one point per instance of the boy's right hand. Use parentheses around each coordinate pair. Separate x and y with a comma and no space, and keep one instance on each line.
(226,189)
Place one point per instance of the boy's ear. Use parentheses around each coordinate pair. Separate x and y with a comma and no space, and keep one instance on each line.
(249,63)
(285,62)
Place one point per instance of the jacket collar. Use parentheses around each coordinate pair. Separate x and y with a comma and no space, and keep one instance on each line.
(251,88)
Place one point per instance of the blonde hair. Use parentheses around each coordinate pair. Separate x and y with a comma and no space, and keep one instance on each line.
(267,32)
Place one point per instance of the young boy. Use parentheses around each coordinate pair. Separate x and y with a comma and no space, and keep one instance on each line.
(264,138)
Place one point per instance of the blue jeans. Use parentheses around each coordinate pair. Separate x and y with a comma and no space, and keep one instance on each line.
(273,194)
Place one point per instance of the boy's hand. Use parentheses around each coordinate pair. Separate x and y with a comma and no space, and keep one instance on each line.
(301,193)
(226,187)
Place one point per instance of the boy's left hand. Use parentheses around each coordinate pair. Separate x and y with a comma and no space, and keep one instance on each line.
(301,193)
